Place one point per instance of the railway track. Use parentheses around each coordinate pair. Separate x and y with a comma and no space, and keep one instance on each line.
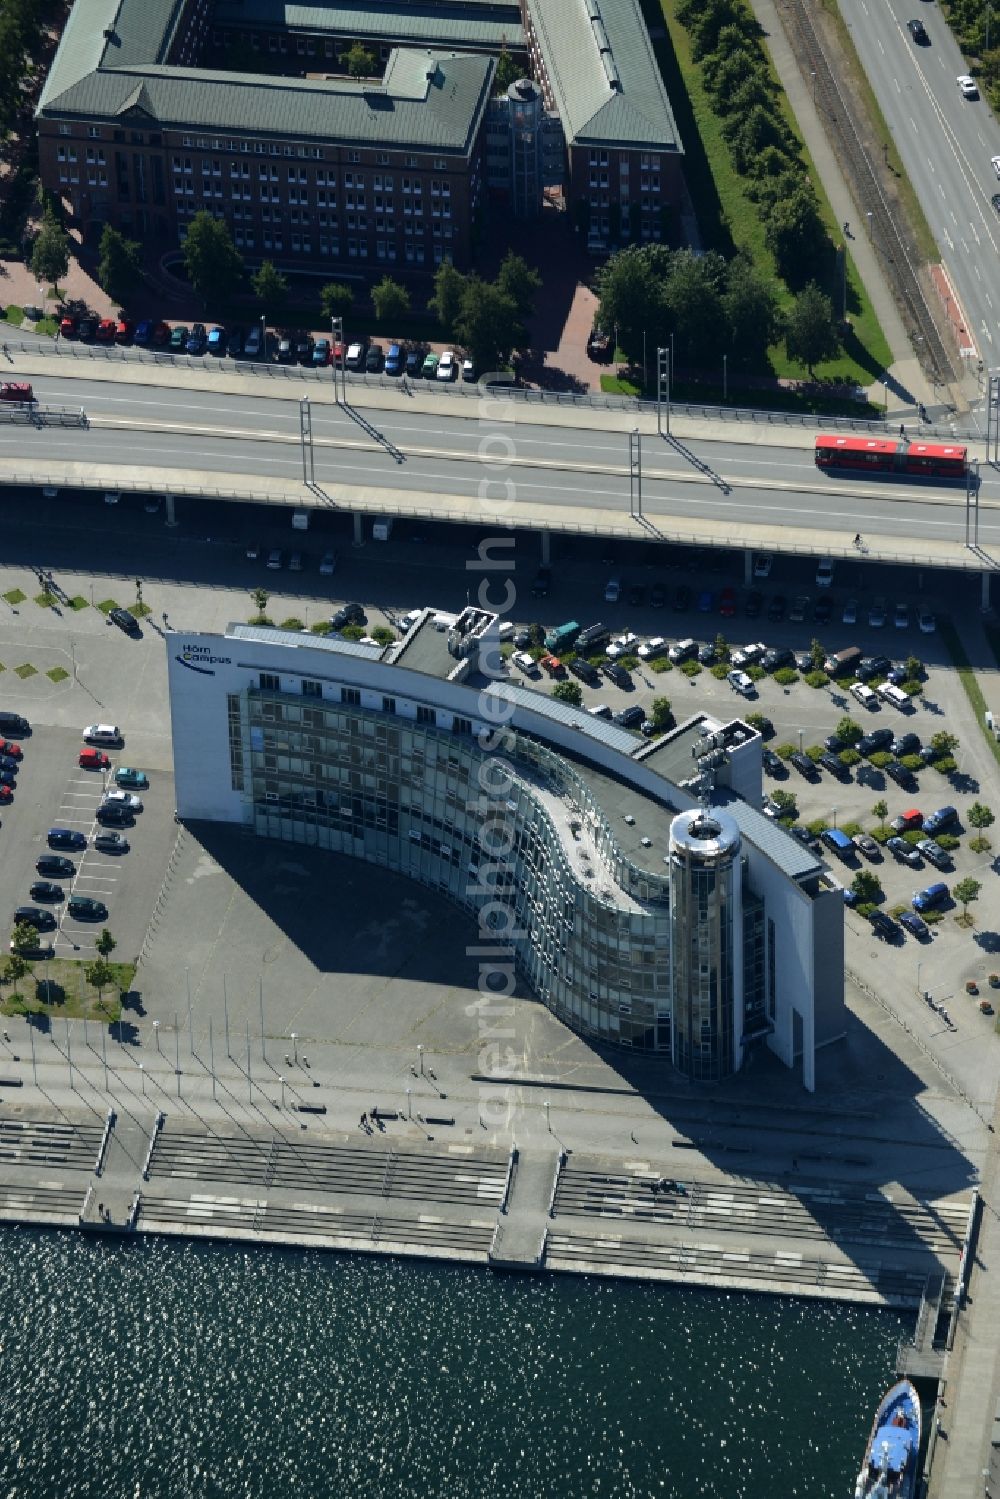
(863,178)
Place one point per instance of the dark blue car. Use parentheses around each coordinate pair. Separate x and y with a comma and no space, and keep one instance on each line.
(66,838)
(143,332)
(706,602)
(394,360)
(197,339)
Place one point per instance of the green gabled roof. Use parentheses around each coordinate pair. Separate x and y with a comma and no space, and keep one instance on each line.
(426,99)
(417,23)
(604,76)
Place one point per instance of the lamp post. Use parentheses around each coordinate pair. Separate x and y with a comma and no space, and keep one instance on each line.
(409,1103)
(156,1033)
(142,1074)
(548,1120)
(295,1048)
(420,1057)
(725,377)
(281,1080)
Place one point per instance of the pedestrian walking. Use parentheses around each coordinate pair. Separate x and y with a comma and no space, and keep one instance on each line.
(364,1121)
(857,539)
(902,430)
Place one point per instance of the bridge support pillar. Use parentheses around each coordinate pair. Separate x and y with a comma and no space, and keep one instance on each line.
(747,566)
(546,548)
(985,599)
(359,535)
(169,505)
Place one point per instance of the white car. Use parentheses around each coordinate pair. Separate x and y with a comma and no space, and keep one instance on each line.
(447,366)
(927,622)
(525,663)
(824,573)
(103,733)
(327,564)
(749,655)
(623,645)
(600,710)
(968,86)
(652,648)
(995,164)
(762,565)
(355,357)
(122,799)
(741,682)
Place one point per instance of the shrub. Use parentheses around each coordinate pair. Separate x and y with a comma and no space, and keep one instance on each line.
(759,721)
(912,762)
(881,835)
(384,635)
(352,632)
(946,765)
(931,917)
(786,676)
(948,842)
(815,752)
(816,679)
(292,623)
(817,827)
(720,671)
(322,627)
(865,909)
(912,836)
(630,663)
(980,844)
(849,757)
(261,619)
(851,829)
(912,689)
(784,751)
(755,673)
(691,668)
(660,664)
(880,759)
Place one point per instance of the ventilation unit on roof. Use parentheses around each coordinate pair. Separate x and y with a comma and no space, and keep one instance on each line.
(628,818)
(109,34)
(646,842)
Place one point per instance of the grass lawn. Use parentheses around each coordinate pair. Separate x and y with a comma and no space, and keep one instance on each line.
(140,610)
(15,596)
(45,600)
(106,605)
(78,603)
(730,220)
(57,673)
(25,671)
(14,315)
(59,987)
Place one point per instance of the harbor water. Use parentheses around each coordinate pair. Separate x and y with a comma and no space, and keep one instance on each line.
(161,1369)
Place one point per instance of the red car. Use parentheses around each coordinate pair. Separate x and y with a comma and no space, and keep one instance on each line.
(161,335)
(6,794)
(106,330)
(13,750)
(16,390)
(727,602)
(124,329)
(67,327)
(94,759)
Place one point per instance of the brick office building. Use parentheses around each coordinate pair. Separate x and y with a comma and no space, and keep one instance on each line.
(307,170)
(142,124)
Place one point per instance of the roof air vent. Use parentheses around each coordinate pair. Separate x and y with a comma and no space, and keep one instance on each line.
(646,842)
(630,819)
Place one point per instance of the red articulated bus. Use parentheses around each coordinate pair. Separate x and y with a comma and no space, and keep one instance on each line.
(882,455)
(16,390)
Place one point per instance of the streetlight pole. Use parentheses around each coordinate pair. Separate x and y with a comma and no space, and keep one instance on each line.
(662,389)
(725,377)
(156,1033)
(635,472)
(339,356)
(306,440)
(295,1048)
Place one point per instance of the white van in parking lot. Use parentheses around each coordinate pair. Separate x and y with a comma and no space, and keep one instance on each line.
(865,696)
(893,695)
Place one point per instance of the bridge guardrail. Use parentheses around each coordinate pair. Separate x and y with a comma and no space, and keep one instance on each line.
(733,415)
(27,414)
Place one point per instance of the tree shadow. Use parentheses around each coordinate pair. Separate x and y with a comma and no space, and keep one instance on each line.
(125,1032)
(988,941)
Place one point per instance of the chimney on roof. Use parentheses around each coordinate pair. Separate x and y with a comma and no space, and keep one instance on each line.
(109,34)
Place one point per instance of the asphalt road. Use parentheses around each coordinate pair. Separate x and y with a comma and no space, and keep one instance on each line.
(562,467)
(945,143)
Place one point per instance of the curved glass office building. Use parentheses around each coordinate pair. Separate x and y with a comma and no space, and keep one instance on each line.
(639,916)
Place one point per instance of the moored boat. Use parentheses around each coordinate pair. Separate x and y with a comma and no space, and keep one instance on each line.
(889,1470)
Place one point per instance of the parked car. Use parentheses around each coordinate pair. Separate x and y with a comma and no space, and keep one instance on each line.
(799,609)
(87,908)
(394,359)
(835,766)
(355,358)
(124,329)
(877,739)
(776,608)
(65,838)
(883,925)
(741,683)
(762,564)
(106,330)
(583,669)
(543,582)
(13,751)
(657,596)
(630,717)
(93,759)
(46,890)
(681,599)
(905,744)
(468,371)
(753,604)
(414,363)
(824,573)
(876,614)
(917,928)
(867,845)
(429,367)
(616,674)
(931,897)
(103,733)
(775,659)
(111,843)
(850,613)
(36,916)
(772,763)
(939,821)
(303,348)
(908,821)
(900,775)
(320,353)
(119,798)
(902,617)
(347,614)
(197,341)
(727,603)
(901,850)
(804,765)
(54,866)
(934,853)
(136,780)
(143,335)
(327,564)
(217,342)
(126,621)
(374,360)
(447,366)
(275,559)
(178,339)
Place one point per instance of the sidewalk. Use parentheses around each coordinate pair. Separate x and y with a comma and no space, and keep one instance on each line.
(904,372)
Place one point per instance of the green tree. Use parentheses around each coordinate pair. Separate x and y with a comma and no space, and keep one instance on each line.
(13,970)
(519,281)
(50,254)
(488,324)
(446,303)
(811,334)
(99,974)
(270,288)
(213,263)
(979,816)
(568,692)
(336,300)
(881,811)
(260,597)
(866,885)
(660,714)
(966,891)
(750,305)
(849,732)
(785,802)
(105,943)
(816,654)
(360,62)
(795,235)
(692,299)
(721,646)
(119,270)
(507,72)
(630,298)
(944,743)
(391,301)
(914,668)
